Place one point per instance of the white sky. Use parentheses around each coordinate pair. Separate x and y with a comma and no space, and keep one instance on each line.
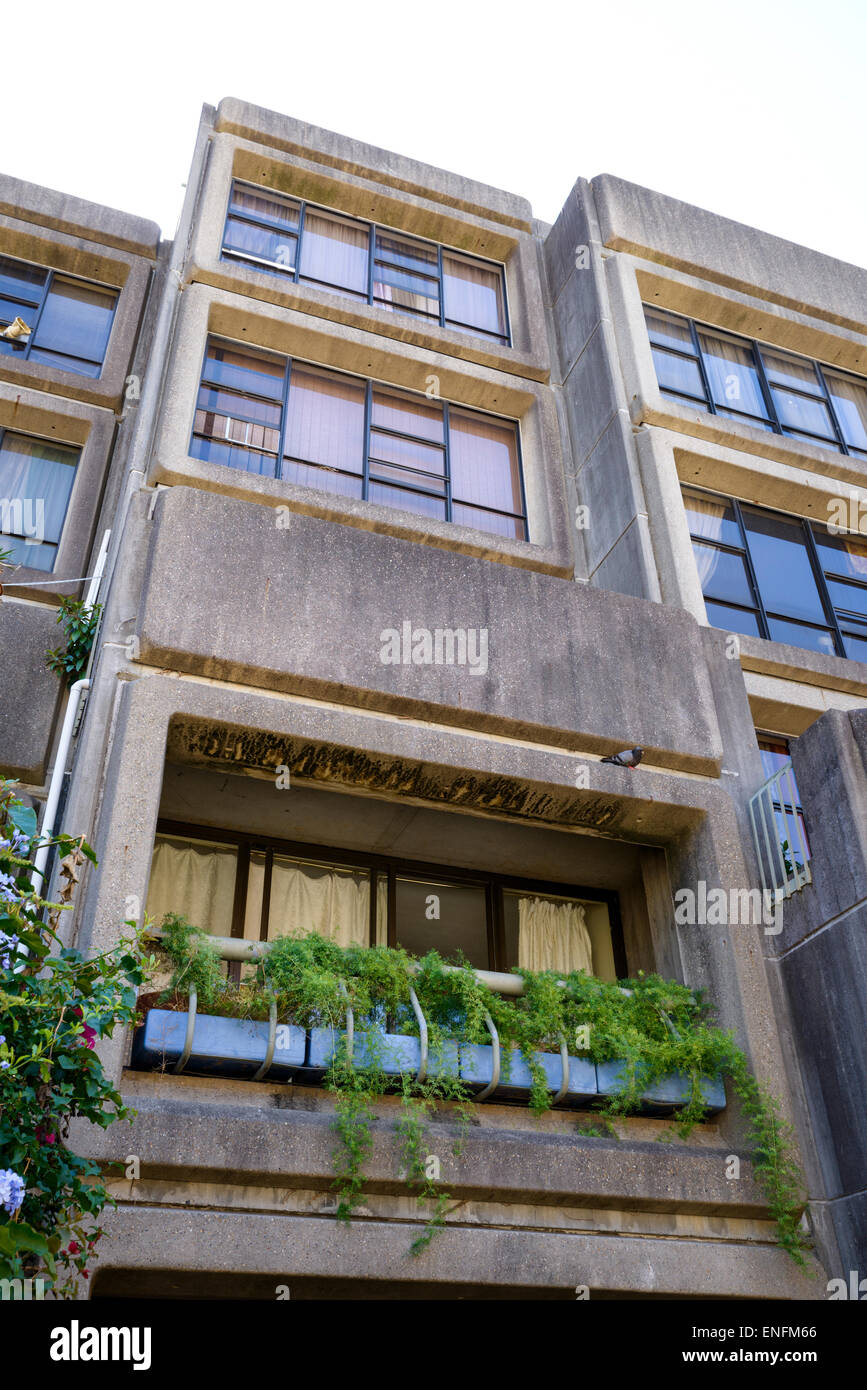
(753,108)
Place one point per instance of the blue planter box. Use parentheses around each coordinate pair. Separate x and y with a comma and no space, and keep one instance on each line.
(476,1070)
(665,1094)
(221,1046)
(394,1052)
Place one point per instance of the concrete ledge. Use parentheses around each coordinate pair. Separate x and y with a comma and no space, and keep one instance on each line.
(156,1238)
(61,212)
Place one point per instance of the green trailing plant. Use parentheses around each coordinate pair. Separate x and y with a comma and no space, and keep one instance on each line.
(79,625)
(55,1004)
(650,1026)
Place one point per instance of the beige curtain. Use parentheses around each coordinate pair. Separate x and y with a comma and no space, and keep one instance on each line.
(472,295)
(705,523)
(484,462)
(553,936)
(197,881)
(334,252)
(312,898)
(325,426)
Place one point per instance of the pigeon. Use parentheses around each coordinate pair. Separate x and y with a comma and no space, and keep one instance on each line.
(630,757)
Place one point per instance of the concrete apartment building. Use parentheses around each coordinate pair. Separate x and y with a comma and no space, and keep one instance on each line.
(360,396)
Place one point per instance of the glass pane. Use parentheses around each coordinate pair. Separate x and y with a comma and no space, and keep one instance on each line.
(774,754)
(856,647)
(405,501)
(712,518)
(409,452)
(850,597)
(76,320)
(734,381)
(732,619)
(334,252)
(814,639)
(446,917)
(21,281)
(842,554)
(473,294)
(269,206)
(667,330)
(407,415)
(307,896)
(11,309)
(680,374)
(34,555)
(782,566)
(66,364)
(803,414)
(265,243)
(791,371)
(254,373)
(230,456)
(216,401)
(850,404)
(35,484)
(325,419)
(408,476)
(416,256)
(723,575)
(545,944)
(509,526)
(398,289)
(483,455)
(325,479)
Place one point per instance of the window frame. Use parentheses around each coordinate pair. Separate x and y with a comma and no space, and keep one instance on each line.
(756,347)
(495,885)
(53,444)
(293,272)
(833,622)
(23,350)
(371,384)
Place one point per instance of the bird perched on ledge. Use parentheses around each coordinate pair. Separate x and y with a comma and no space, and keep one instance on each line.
(630,757)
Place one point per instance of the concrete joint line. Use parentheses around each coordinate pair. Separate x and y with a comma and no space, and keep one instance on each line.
(617,540)
(841,917)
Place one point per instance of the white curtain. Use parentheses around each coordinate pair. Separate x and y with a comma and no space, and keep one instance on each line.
(197,881)
(311,898)
(40,476)
(484,462)
(324,426)
(553,936)
(705,523)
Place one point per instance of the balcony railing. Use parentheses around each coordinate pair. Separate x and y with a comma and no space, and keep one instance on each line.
(779,835)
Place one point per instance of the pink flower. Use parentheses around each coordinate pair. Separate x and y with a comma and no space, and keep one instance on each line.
(74,1247)
(45,1136)
(89,1036)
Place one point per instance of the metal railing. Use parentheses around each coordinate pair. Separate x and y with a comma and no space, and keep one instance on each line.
(779,835)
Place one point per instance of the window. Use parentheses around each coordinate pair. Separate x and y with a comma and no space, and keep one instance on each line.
(775,754)
(402,274)
(35,484)
(287,419)
(231,884)
(779,577)
(69,320)
(747,381)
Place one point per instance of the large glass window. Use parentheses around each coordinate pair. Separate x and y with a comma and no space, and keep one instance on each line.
(68,321)
(36,480)
(779,577)
(286,419)
(745,380)
(403,274)
(232,884)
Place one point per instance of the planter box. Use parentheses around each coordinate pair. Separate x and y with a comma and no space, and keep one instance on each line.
(666,1094)
(395,1052)
(221,1046)
(476,1070)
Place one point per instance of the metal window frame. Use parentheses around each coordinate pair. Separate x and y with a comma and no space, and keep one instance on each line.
(756,347)
(370,384)
(392,867)
(504,339)
(51,274)
(832,622)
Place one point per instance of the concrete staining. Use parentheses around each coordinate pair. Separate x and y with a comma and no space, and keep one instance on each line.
(242,633)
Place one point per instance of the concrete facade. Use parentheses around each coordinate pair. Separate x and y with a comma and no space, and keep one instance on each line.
(242,632)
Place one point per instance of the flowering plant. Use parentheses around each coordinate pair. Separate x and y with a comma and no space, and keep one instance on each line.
(54,1005)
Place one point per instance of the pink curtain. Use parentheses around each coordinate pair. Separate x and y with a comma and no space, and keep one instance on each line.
(473,294)
(484,462)
(325,423)
(334,252)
